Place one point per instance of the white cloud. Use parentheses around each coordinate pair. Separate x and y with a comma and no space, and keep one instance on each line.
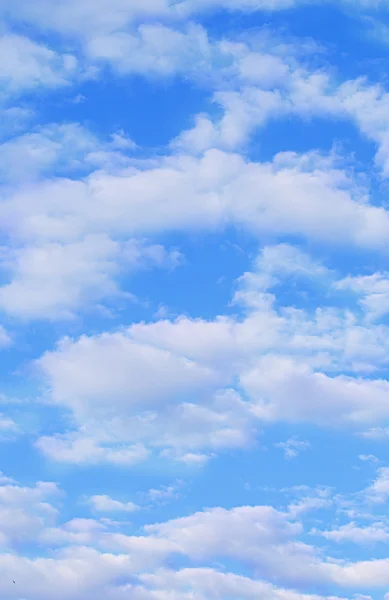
(283,389)
(89,574)
(94,557)
(373,291)
(80,449)
(5,338)
(134,375)
(188,6)
(155,50)
(166,387)
(371,534)
(277,264)
(105,504)
(308,500)
(54,280)
(65,232)
(149,200)
(164,493)
(25,511)
(264,81)
(292,447)
(211,584)
(8,427)
(31,65)
(376,433)
(379,490)
(123,197)
(84,18)
(62,149)
(368,458)
(189,433)
(75,532)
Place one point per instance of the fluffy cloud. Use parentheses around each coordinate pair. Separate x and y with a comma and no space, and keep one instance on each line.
(373,291)
(188,388)
(379,490)
(284,390)
(54,280)
(148,201)
(67,231)
(25,511)
(98,557)
(30,65)
(79,213)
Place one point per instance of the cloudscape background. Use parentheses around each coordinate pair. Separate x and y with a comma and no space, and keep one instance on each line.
(194,299)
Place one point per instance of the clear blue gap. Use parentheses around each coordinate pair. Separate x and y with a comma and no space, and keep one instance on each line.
(150,111)
(293,133)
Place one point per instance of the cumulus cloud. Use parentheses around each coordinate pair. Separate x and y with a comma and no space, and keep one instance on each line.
(67,235)
(25,511)
(101,557)
(54,280)
(189,388)
(373,291)
(31,65)
(79,213)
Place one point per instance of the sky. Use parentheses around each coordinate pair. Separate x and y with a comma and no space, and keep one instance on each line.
(194,300)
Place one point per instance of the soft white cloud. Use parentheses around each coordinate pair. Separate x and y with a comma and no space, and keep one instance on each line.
(283,389)
(134,375)
(307,500)
(148,200)
(5,338)
(207,583)
(379,490)
(84,18)
(368,458)
(75,448)
(376,433)
(285,365)
(95,557)
(351,532)
(63,149)
(164,493)
(86,573)
(25,511)
(50,221)
(373,291)
(105,504)
(264,81)
(189,433)
(292,447)
(75,532)
(54,280)
(32,65)
(65,232)
(155,50)
(188,6)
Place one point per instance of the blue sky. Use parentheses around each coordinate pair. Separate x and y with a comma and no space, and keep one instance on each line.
(194,300)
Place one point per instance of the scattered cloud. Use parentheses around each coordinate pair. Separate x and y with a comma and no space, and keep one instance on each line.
(105,504)
(292,447)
